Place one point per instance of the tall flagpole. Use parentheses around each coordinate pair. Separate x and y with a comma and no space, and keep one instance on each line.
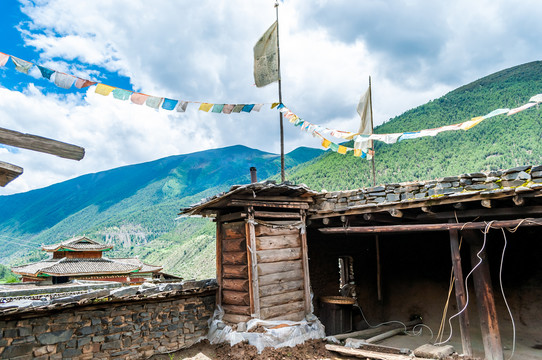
(372,128)
(282,176)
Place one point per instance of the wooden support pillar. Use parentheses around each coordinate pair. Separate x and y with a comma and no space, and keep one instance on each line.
(252,265)
(305,260)
(460,294)
(219,260)
(485,300)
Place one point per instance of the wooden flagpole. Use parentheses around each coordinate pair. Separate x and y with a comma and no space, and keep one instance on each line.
(372,128)
(282,175)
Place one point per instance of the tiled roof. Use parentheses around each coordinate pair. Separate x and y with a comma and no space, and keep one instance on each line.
(145,268)
(78,244)
(70,267)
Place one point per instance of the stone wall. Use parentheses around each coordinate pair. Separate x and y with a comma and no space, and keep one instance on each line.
(522,178)
(128,323)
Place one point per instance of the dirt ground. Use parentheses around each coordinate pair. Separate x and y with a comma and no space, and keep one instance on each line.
(312,349)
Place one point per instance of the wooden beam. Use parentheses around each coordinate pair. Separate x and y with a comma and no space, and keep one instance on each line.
(429,227)
(305,261)
(272,204)
(276,198)
(460,294)
(8,172)
(471,213)
(366,354)
(485,300)
(219,260)
(41,144)
(486,203)
(518,200)
(427,209)
(396,213)
(233,216)
(253,265)
(276,215)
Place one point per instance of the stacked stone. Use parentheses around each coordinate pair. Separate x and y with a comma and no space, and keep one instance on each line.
(517,177)
(134,329)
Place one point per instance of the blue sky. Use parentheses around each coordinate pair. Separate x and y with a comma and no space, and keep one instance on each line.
(414,50)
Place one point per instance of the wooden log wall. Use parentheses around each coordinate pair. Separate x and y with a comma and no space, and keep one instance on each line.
(280,272)
(235,296)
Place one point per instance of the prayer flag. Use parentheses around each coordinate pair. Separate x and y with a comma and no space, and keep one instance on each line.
(357,152)
(341,149)
(266,68)
(217,108)
(326,143)
(521,108)
(21,65)
(139,98)
(471,123)
(182,106)
(153,102)
(496,112)
(83,83)
(46,73)
(64,81)
(247,108)
(334,147)
(205,107)
(169,104)
(103,89)
(3,59)
(237,108)
(121,94)
(227,108)
(537,98)
(364,111)
(257,107)
(274,105)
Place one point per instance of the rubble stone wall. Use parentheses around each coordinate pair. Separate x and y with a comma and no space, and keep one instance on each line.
(134,329)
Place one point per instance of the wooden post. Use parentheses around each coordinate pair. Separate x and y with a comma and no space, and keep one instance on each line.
(485,300)
(252,265)
(460,295)
(305,260)
(378,270)
(219,260)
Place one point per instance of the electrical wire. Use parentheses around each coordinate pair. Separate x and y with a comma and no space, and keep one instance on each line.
(504,296)
(16,241)
(485,231)
(412,333)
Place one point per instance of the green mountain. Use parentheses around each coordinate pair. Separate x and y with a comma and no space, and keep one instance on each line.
(496,143)
(135,207)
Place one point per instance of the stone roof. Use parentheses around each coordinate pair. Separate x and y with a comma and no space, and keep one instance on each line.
(78,244)
(451,189)
(76,267)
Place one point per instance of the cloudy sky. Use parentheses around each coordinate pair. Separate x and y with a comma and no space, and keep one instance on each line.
(414,50)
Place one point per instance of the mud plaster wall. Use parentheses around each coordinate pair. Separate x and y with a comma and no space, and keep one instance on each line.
(129,330)
(416,274)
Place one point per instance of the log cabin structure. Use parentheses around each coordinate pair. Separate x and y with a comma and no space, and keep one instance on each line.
(9,172)
(410,245)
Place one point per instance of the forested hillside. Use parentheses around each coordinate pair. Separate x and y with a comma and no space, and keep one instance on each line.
(496,143)
(135,207)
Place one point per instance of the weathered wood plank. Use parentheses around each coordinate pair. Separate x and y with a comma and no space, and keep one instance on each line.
(305,263)
(233,216)
(263,230)
(236,309)
(270,204)
(265,256)
(366,354)
(277,288)
(275,215)
(283,298)
(295,316)
(234,257)
(278,242)
(234,230)
(277,198)
(219,278)
(235,284)
(235,297)
(277,267)
(9,172)
(235,319)
(41,144)
(281,277)
(253,263)
(235,271)
(234,244)
(278,310)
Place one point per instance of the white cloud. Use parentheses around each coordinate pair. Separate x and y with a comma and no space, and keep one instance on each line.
(415,51)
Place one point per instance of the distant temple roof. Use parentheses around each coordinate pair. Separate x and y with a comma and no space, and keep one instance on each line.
(78,244)
(75,267)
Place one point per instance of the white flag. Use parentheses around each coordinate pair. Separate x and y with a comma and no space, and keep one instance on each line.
(364,111)
(266,69)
